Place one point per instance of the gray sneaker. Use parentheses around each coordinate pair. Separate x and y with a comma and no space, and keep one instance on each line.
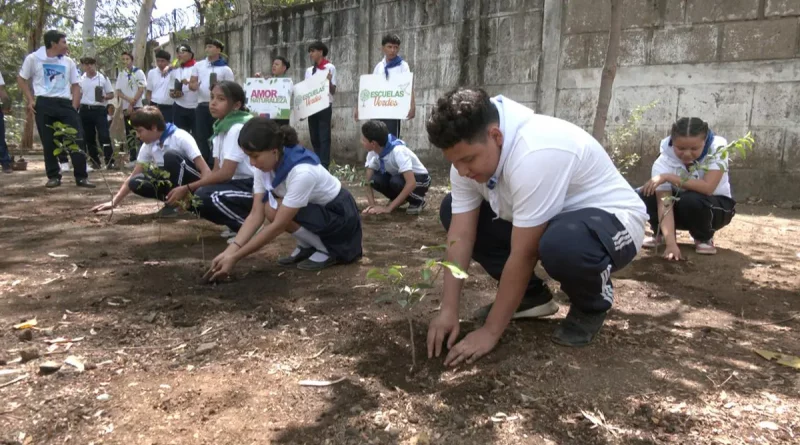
(416,209)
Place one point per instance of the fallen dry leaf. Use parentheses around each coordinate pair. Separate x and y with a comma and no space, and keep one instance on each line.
(58,255)
(75,362)
(782,359)
(26,325)
(321,382)
(767,425)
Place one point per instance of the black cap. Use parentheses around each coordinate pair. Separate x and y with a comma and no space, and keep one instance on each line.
(184,47)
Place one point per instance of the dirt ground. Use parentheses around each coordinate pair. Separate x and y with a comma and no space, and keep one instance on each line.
(174,361)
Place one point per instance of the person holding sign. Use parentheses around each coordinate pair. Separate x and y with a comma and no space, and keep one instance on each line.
(130,89)
(279,68)
(96,89)
(393,170)
(319,124)
(209,71)
(183,89)
(226,194)
(304,200)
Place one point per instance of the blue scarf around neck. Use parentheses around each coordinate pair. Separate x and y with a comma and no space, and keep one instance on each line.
(132,71)
(292,157)
(707,146)
(169,131)
(218,62)
(387,150)
(397,61)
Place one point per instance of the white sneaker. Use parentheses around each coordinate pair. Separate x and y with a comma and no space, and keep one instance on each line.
(130,165)
(651,242)
(227,233)
(65,167)
(705,248)
(89,168)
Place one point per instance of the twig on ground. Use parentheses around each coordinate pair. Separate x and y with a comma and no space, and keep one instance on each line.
(16,380)
(321,382)
(318,353)
(764,323)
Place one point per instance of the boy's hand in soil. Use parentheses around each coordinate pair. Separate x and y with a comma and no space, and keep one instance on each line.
(177,194)
(444,323)
(672,252)
(650,187)
(377,210)
(474,346)
(221,267)
(103,207)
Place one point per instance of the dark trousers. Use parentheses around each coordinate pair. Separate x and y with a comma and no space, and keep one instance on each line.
(50,110)
(393,125)
(204,128)
(131,141)
(95,126)
(181,171)
(5,158)
(578,249)
(226,204)
(701,215)
(166,111)
(183,118)
(390,186)
(319,125)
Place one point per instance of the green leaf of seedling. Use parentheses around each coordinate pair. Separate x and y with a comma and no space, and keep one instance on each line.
(426,274)
(454,269)
(375,274)
(424,286)
(430,263)
(57,151)
(439,247)
(392,272)
(70,131)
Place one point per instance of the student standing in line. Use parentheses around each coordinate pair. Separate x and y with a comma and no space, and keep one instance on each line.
(5,158)
(528,187)
(183,78)
(158,83)
(279,67)
(55,98)
(210,71)
(319,124)
(304,200)
(226,194)
(131,83)
(393,170)
(166,147)
(392,63)
(96,89)
(705,205)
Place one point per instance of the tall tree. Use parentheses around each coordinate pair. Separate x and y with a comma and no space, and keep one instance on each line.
(34,40)
(142,27)
(89,8)
(609,72)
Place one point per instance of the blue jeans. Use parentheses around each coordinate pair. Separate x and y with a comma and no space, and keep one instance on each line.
(5,159)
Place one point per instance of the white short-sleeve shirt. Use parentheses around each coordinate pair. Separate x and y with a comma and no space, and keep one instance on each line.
(399,161)
(88,85)
(158,85)
(553,167)
(668,163)
(306,184)
(2,82)
(52,76)
(189,98)
(204,70)
(380,68)
(129,83)
(328,68)
(180,141)
(226,148)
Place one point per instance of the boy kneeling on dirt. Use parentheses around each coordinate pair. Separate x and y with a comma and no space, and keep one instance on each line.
(167,148)
(527,187)
(393,170)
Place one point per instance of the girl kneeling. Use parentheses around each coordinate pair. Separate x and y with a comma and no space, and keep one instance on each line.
(704,203)
(297,195)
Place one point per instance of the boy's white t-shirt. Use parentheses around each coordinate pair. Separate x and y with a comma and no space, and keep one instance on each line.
(328,68)
(52,76)
(306,184)
(668,163)
(180,141)
(158,85)
(189,98)
(380,68)
(204,70)
(399,161)
(226,147)
(2,82)
(88,84)
(129,84)
(553,167)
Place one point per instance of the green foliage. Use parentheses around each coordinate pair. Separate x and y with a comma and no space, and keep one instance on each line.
(65,138)
(157,177)
(622,137)
(14,129)
(346,173)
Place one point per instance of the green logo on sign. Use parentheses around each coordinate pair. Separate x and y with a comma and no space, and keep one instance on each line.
(364,95)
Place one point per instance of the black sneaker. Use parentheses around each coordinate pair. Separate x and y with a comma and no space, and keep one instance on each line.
(304,254)
(314,266)
(84,183)
(53,183)
(529,307)
(579,328)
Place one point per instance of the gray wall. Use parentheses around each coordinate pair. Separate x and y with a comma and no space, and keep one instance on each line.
(735,65)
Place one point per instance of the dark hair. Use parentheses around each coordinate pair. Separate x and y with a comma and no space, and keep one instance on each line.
(161,54)
(233,92)
(215,42)
(689,126)
(88,61)
(264,134)
(318,45)
(53,36)
(185,47)
(284,61)
(126,53)
(110,106)
(148,117)
(390,38)
(462,114)
(375,131)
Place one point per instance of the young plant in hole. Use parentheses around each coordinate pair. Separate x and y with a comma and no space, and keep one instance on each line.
(156,178)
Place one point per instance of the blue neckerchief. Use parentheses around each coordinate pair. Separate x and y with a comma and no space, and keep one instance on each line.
(707,146)
(492,183)
(293,156)
(218,62)
(387,150)
(397,61)
(169,131)
(132,71)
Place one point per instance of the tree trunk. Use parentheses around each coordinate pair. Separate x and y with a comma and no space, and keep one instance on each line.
(244,10)
(89,9)
(140,38)
(609,72)
(34,41)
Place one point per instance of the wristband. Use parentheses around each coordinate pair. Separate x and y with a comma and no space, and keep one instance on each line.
(188,187)
(237,244)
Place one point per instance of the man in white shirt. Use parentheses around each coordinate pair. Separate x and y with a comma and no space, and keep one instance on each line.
(183,88)
(158,83)
(131,83)
(56,97)
(528,187)
(210,70)
(95,91)
(319,125)
(5,158)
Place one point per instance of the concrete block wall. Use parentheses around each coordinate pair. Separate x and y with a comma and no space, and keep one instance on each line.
(735,63)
